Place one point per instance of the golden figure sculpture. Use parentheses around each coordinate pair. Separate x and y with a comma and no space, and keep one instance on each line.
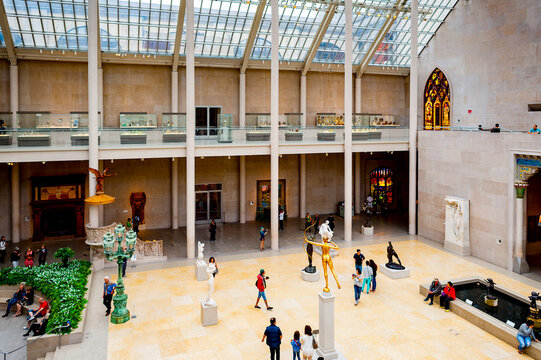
(326,258)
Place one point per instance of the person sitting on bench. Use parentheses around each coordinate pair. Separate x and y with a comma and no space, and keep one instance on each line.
(39,328)
(18,296)
(34,314)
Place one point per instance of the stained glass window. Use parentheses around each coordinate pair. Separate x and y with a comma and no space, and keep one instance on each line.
(381,188)
(437,102)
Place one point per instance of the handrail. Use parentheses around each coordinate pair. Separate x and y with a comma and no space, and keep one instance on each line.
(68,325)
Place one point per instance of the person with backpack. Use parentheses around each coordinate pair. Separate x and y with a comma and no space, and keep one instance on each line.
(296,345)
(261,284)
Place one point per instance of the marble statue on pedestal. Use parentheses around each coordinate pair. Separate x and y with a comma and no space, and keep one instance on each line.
(390,263)
(211,268)
(200,248)
(457,226)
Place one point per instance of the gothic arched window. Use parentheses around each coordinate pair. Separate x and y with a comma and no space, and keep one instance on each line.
(437,102)
(381,187)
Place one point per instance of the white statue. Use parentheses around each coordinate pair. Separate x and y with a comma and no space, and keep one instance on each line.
(325,230)
(456,216)
(211,268)
(200,248)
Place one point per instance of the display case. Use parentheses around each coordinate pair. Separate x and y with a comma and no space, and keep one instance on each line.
(79,128)
(365,134)
(326,135)
(258,127)
(384,120)
(294,129)
(134,126)
(361,120)
(225,132)
(329,119)
(5,128)
(34,128)
(174,127)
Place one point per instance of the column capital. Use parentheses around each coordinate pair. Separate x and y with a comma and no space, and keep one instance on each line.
(520,187)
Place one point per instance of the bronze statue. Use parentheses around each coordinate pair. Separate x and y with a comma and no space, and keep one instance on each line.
(309,251)
(326,259)
(390,264)
(99,179)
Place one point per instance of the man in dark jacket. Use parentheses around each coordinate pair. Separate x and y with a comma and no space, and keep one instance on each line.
(274,339)
(435,290)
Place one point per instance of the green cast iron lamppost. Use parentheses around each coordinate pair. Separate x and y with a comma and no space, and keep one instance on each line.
(120,314)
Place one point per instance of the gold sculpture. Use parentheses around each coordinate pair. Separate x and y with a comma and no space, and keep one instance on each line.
(326,258)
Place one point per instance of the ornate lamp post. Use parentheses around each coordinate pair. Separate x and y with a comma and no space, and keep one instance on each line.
(120,314)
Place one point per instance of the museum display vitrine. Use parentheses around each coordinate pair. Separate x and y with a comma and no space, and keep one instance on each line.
(258,126)
(134,126)
(174,127)
(294,129)
(5,128)
(264,198)
(33,128)
(79,128)
(225,133)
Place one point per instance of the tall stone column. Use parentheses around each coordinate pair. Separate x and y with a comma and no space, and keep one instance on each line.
(174,193)
(358,94)
(242,100)
(14,93)
(274,124)
(519,261)
(242,189)
(412,197)
(302,185)
(303,100)
(100,96)
(174,92)
(15,204)
(348,113)
(101,209)
(358,199)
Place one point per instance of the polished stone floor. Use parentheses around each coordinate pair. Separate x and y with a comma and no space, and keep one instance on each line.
(392,323)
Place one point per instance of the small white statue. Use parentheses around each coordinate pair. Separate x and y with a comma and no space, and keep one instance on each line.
(211,268)
(200,248)
(325,230)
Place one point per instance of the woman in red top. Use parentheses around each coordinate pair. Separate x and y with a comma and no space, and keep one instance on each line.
(29,258)
(447,296)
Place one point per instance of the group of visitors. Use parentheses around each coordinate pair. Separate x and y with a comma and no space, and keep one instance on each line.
(446,294)
(314,221)
(29,255)
(364,276)
(133,224)
(24,297)
(305,343)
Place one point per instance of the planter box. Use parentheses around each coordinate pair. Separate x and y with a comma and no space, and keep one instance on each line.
(326,136)
(258,136)
(174,137)
(133,139)
(374,135)
(81,140)
(5,139)
(359,136)
(34,140)
(293,136)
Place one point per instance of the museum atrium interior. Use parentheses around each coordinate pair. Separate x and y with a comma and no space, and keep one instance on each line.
(237,128)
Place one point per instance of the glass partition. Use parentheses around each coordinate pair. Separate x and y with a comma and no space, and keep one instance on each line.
(135,125)
(225,133)
(79,127)
(323,119)
(174,127)
(361,120)
(5,128)
(6,120)
(384,120)
(30,120)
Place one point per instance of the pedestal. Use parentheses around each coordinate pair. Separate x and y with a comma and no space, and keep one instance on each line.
(94,239)
(368,230)
(326,327)
(394,274)
(209,314)
(201,271)
(310,277)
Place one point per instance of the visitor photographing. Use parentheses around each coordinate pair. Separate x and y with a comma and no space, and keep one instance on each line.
(261,285)
(307,343)
(212,230)
(359,258)
(525,336)
(108,291)
(374,273)
(296,345)
(447,296)
(357,285)
(274,339)
(262,234)
(434,290)
(15,257)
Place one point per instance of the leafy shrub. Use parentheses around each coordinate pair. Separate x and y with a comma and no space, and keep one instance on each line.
(64,288)
(65,254)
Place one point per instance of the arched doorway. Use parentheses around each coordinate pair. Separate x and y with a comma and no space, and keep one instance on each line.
(437,102)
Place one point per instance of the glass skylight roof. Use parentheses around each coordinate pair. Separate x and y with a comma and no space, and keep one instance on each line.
(222,27)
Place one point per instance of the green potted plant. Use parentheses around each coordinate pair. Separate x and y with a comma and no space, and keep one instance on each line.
(64,254)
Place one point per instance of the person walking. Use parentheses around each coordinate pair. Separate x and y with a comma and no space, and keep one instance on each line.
(2,249)
(296,345)
(261,285)
(262,234)
(307,343)
(213,260)
(448,295)
(29,258)
(136,221)
(374,273)
(434,290)
(274,339)
(15,257)
(357,285)
(359,258)
(42,255)
(108,290)
(316,223)
(281,214)
(307,221)
(525,335)
(212,230)
(367,277)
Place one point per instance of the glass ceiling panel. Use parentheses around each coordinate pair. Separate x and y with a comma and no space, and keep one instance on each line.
(222,27)
(47,23)
(2,43)
(299,23)
(138,26)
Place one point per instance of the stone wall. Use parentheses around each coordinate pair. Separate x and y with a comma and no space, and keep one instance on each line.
(4,86)
(490,52)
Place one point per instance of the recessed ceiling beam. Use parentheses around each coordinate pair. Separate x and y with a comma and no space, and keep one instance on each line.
(319,37)
(178,34)
(252,36)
